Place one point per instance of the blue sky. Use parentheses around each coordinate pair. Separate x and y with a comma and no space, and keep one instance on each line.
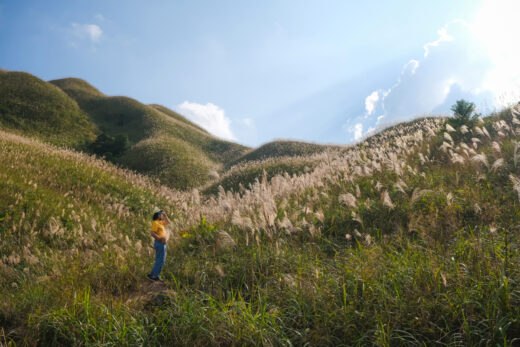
(254,71)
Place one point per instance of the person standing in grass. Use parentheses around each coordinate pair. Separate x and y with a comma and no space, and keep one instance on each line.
(160,220)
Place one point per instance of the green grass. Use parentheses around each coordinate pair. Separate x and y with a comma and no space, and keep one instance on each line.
(283,148)
(434,263)
(31,106)
(243,176)
(176,116)
(189,152)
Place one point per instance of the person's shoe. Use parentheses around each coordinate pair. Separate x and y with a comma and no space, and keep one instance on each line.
(151,278)
(159,279)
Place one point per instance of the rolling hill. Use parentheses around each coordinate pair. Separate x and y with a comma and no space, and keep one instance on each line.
(72,113)
(162,143)
(31,106)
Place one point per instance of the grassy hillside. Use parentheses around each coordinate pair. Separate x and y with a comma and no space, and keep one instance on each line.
(243,176)
(283,148)
(31,106)
(176,116)
(162,143)
(408,238)
(269,160)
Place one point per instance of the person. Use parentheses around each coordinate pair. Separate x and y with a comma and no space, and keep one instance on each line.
(160,220)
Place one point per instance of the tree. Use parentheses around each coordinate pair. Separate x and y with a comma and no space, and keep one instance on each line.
(463,114)
(110,147)
(463,109)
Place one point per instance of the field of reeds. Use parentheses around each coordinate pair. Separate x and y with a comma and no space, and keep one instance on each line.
(407,238)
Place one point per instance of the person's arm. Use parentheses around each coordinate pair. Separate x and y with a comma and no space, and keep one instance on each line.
(156,237)
(166,219)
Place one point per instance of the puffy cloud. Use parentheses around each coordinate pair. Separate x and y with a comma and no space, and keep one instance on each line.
(496,27)
(209,116)
(371,101)
(87,31)
(477,61)
(358,131)
(455,65)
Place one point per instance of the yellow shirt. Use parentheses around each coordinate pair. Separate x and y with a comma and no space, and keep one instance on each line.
(158,228)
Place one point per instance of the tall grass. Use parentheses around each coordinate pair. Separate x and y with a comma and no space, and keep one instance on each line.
(404,239)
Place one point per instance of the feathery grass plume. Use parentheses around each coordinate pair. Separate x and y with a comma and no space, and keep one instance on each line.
(481,158)
(195,196)
(445,146)
(516,184)
(497,164)
(516,155)
(417,193)
(213,175)
(449,199)
(449,128)
(448,137)
(224,241)
(348,199)
(236,219)
(13,259)
(515,111)
(478,131)
(496,146)
(464,146)
(385,198)
(464,129)
(358,191)
(484,130)
(475,142)
(422,159)
(400,185)
(357,234)
(456,158)
(319,216)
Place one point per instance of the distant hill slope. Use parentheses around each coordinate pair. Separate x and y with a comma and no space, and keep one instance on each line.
(31,106)
(161,142)
(283,148)
(164,144)
(176,116)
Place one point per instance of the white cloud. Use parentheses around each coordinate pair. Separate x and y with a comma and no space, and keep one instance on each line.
(456,65)
(87,31)
(443,36)
(496,27)
(358,131)
(371,101)
(209,116)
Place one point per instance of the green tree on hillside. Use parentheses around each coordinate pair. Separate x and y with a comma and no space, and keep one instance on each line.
(110,147)
(463,114)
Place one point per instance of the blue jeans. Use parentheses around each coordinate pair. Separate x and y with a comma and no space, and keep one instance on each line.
(160,257)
